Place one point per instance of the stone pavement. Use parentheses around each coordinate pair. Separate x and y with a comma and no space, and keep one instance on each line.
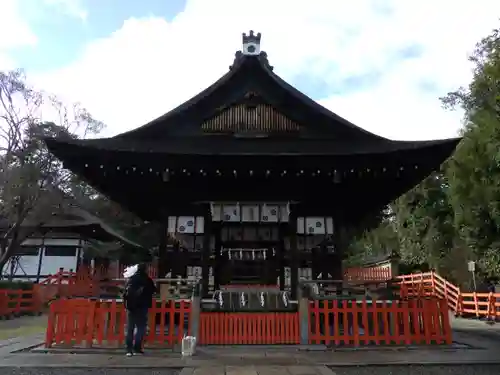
(258,370)
(475,325)
(20,343)
(217,357)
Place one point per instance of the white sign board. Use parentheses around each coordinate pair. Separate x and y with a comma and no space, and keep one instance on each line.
(471,266)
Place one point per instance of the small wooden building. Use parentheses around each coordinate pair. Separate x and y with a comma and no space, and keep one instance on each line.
(252,176)
(60,243)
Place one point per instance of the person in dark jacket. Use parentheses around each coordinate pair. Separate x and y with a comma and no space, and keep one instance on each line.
(138,298)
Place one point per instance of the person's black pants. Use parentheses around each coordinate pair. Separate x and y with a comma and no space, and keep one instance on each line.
(137,320)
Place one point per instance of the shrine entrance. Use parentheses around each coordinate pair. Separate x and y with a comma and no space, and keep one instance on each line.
(250,266)
(250,238)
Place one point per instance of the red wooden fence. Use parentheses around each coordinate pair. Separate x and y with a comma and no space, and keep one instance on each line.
(354,323)
(480,305)
(85,278)
(19,302)
(85,322)
(249,328)
(365,322)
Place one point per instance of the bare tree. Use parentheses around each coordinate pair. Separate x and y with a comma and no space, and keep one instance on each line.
(33,184)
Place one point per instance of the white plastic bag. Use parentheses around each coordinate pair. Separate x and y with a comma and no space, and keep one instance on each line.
(130,271)
(188,347)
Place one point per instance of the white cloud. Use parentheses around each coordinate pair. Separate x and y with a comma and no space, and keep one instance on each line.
(14,32)
(150,65)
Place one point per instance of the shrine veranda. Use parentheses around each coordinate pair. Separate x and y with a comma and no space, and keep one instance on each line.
(253,181)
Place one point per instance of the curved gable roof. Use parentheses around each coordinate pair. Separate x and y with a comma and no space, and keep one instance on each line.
(250,73)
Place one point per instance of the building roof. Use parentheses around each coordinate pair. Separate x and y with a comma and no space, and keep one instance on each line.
(251,115)
(244,146)
(77,220)
(250,110)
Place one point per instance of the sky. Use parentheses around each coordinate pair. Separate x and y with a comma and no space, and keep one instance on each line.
(381,64)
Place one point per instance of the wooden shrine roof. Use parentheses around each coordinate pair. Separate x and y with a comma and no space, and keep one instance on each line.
(249,110)
(75,220)
(245,146)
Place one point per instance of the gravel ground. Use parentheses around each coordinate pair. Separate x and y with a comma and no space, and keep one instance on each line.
(89,371)
(419,370)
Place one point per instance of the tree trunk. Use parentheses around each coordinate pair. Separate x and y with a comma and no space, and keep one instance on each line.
(3,262)
(5,255)
(8,247)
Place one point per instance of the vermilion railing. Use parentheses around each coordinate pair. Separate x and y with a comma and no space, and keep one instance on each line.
(86,283)
(480,305)
(420,321)
(412,320)
(15,303)
(86,274)
(94,282)
(84,322)
(264,328)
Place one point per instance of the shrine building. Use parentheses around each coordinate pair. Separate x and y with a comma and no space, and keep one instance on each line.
(252,178)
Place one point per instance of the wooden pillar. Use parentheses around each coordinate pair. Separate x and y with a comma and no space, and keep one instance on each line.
(176,260)
(186,261)
(395,259)
(219,261)
(336,265)
(294,255)
(41,251)
(315,263)
(163,261)
(206,252)
(324,264)
(274,275)
(280,256)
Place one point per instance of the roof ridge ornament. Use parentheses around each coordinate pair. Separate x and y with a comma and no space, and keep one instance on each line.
(251,43)
(251,47)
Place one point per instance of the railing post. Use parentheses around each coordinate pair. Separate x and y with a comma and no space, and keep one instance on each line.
(194,318)
(491,307)
(303,300)
(476,304)
(458,307)
(433,283)
(445,287)
(51,326)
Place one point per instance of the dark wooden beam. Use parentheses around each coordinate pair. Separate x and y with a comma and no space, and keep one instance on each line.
(219,259)
(294,254)
(206,252)
(164,265)
(280,254)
